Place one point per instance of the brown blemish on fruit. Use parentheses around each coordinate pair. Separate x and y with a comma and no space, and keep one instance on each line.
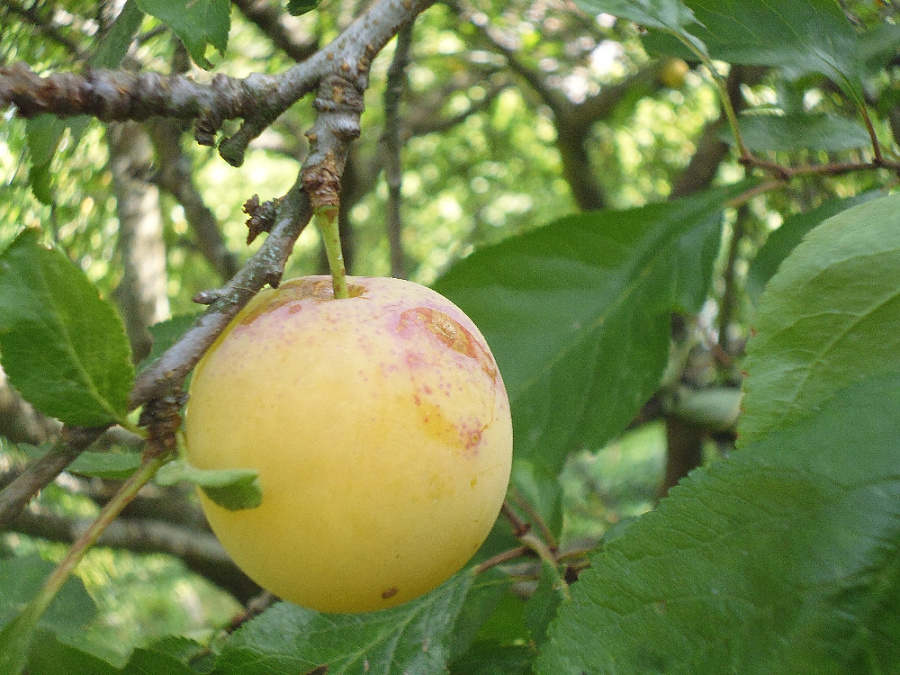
(389,593)
(451,333)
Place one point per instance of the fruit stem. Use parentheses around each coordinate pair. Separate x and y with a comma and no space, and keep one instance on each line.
(327,222)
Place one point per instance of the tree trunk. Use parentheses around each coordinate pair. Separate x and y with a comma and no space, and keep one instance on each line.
(141,294)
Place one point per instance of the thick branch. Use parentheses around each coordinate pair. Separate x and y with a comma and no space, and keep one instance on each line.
(40,473)
(391,144)
(200,551)
(257,99)
(168,372)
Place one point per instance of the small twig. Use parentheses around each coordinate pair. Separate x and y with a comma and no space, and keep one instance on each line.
(504,557)
(729,293)
(519,526)
(265,267)
(536,519)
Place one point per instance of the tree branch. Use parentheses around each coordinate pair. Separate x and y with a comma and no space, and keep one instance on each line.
(392,147)
(200,551)
(258,99)
(271,21)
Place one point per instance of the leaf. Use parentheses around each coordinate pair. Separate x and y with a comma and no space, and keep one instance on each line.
(108,465)
(796,132)
(543,604)
(665,14)
(233,489)
(20,581)
(781,559)
(62,346)
(577,314)
(299,7)
(491,658)
(152,662)
(785,239)
(113,46)
(798,36)
(197,23)
(44,133)
(55,657)
(167,333)
(828,318)
(411,639)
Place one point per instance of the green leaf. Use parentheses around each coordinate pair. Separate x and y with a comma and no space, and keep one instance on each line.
(798,36)
(54,657)
(828,318)
(542,606)
(577,314)
(492,658)
(113,46)
(108,465)
(412,638)
(166,333)
(299,7)
(233,489)
(44,133)
(152,662)
(796,132)
(785,239)
(481,602)
(666,14)
(783,558)
(197,23)
(20,581)
(63,347)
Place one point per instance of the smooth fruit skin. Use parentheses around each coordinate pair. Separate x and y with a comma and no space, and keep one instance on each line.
(381,431)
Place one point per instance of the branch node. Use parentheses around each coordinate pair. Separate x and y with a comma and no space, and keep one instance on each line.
(262,216)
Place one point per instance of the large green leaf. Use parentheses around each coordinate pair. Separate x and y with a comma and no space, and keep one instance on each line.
(799,36)
(62,346)
(410,639)
(578,312)
(784,558)
(797,132)
(197,23)
(785,239)
(829,317)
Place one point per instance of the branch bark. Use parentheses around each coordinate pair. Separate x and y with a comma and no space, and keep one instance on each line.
(201,551)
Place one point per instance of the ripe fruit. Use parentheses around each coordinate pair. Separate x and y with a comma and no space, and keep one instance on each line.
(381,431)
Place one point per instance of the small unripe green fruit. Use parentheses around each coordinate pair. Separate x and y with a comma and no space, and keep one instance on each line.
(674,73)
(381,431)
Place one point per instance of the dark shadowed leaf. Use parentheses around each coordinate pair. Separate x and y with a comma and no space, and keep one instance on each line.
(299,7)
(578,312)
(793,133)
(412,639)
(63,347)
